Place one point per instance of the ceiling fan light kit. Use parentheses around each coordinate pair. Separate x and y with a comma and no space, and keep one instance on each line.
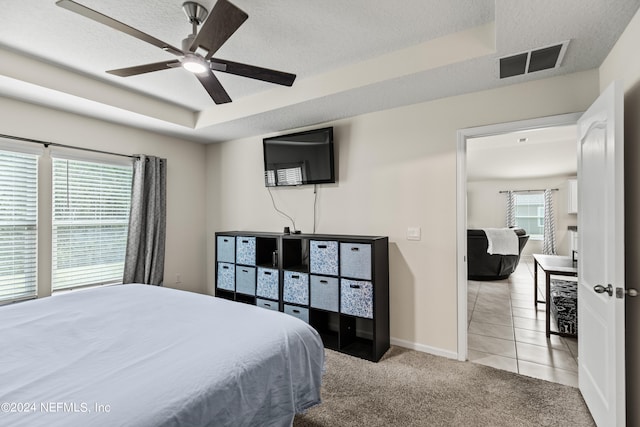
(194,64)
(217,27)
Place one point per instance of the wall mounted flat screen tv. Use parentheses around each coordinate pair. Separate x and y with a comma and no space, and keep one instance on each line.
(299,158)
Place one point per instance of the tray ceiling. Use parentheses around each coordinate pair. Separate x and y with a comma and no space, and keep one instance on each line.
(350,57)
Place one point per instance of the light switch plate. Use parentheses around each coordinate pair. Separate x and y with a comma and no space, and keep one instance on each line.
(414,233)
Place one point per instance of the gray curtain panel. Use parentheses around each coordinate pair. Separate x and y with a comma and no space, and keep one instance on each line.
(144,259)
(549,244)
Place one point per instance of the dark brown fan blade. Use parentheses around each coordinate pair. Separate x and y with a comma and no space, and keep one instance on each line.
(214,87)
(146,68)
(253,72)
(223,21)
(116,25)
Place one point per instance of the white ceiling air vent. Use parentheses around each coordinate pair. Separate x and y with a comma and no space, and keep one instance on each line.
(544,58)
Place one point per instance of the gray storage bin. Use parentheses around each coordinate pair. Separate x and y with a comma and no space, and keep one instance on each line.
(299,312)
(324,293)
(296,287)
(226,276)
(246,250)
(323,257)
(245,280)
(226,246)
(355,260)
(267,283)
(356,298)
(269,305)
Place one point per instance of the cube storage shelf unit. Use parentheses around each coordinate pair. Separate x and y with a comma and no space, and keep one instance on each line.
(339,284)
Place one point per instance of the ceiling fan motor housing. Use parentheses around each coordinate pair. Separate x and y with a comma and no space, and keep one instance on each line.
(188,42)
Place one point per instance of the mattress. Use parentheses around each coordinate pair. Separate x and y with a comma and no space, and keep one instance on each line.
(140,355)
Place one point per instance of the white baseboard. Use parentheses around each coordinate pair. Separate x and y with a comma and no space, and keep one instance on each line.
(424,348)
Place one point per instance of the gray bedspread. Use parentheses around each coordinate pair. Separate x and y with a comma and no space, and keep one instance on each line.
(139,355)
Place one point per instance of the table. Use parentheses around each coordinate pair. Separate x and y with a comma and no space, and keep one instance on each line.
(551,265)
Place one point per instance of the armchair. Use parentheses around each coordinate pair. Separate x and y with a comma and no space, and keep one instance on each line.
(483,266)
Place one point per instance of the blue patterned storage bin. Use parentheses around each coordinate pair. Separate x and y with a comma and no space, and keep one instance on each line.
(246,250)
(267,283)
(269,305)
(226,277)
(324,293)
(355,260)
(226,246)
(356,298)
(299,312)
(323,257)
(246,280)
(296,287)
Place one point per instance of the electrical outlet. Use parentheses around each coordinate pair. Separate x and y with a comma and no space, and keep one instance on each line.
(178,278)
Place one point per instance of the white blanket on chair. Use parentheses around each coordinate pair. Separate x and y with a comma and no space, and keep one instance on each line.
(502,241)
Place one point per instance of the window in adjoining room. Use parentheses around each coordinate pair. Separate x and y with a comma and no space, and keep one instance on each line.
(18,225)
(91,203)
(529,210)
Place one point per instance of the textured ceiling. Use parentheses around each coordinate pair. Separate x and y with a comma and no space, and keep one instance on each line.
(351,57)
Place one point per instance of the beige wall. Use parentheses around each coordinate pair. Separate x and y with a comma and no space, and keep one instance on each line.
(185,245)
(486,207)
(623,64)
(396,168)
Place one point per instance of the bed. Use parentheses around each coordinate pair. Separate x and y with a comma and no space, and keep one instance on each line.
(146,356)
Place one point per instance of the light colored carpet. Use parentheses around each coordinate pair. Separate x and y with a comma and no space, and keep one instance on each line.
(410,388)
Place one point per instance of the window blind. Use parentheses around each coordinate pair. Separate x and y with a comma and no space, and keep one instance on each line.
(91,204)
(18,225)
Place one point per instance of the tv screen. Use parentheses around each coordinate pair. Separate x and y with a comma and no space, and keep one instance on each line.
(299,158)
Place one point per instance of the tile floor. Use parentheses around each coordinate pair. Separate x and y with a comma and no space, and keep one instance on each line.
(507,332)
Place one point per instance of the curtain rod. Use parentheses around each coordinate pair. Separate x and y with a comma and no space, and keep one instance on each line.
(526,191)
(55,144)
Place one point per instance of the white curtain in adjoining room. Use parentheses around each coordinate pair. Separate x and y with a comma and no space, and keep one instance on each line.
(511,209)
(549,244)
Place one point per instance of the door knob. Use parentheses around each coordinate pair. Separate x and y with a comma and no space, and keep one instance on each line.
(601,289)
(631,292)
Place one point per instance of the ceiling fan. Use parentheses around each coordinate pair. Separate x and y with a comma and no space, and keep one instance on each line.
(224,19)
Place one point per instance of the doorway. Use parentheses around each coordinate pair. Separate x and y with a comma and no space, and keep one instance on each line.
(502,327)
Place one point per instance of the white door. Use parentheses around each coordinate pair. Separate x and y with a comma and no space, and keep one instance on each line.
(601,258)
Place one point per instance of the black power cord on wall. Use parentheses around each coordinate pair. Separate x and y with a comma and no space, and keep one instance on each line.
(280,212)
(315,204)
